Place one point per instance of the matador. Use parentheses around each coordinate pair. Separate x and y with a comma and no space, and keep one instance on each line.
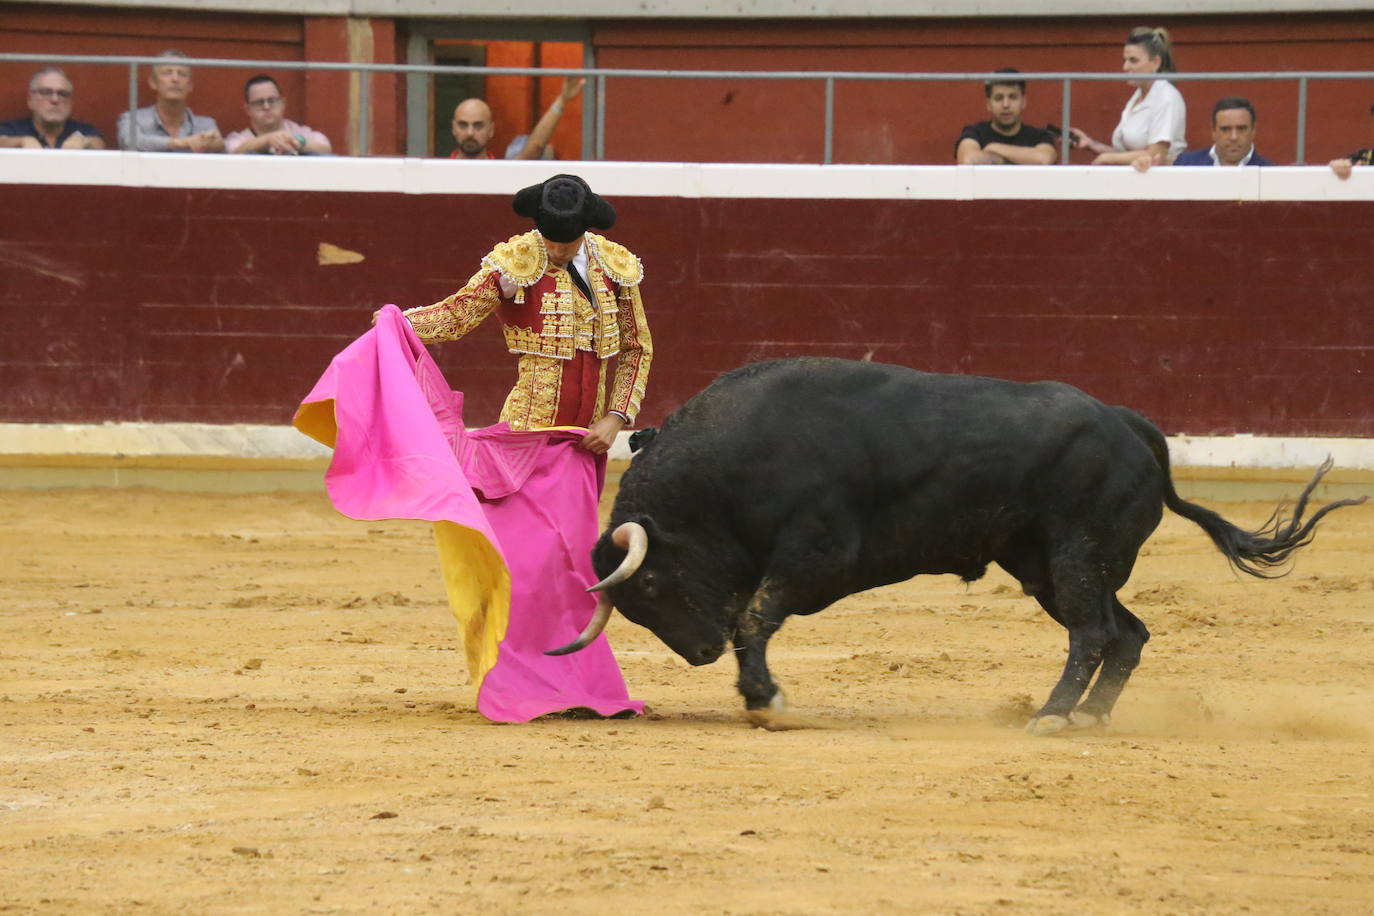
(568,301)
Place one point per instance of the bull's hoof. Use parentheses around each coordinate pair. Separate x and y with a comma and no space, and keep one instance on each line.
(1041,726)
(774,716)
(1080,719)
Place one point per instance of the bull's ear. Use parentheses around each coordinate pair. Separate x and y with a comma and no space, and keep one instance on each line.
(648,522)
(641,439)
(606,541)
(644,521)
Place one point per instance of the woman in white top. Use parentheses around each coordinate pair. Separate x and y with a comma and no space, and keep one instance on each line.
(1153,120)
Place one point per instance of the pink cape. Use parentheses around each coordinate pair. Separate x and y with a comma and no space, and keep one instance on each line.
(514,513)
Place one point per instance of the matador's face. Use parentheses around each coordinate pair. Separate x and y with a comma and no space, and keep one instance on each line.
(560,253)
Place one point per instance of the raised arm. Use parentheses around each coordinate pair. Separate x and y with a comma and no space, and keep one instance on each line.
(543,131)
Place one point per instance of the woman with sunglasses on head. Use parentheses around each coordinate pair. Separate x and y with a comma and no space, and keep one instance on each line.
(1152,123)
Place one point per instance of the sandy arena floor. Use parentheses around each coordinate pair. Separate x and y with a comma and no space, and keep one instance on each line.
(249,704)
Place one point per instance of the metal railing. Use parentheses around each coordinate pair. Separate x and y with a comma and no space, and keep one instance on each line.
(597,77)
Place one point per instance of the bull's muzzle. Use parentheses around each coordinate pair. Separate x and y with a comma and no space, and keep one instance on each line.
(632,537)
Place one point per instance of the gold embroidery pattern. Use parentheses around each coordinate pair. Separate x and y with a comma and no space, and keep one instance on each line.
(558,302)
(451,318)
(607,329)
(521,340)
(600,410)
(533,402)
(632,368)
(555,341)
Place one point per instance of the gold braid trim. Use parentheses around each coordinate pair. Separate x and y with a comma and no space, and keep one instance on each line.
(619,263)
(521,259)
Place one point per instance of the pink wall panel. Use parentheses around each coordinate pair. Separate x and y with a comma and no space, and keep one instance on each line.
(209,305)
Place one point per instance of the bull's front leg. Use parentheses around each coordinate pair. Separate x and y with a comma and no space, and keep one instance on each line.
(764,701)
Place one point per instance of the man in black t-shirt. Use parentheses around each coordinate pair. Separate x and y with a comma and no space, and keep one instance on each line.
(1004,140)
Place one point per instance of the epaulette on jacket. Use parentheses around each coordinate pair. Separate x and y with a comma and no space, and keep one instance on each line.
(521,259)
(619,263)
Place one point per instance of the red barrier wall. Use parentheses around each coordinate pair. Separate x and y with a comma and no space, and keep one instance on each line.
(210,305)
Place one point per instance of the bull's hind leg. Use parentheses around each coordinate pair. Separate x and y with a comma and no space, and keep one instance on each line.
(1119,659)
(1082,604)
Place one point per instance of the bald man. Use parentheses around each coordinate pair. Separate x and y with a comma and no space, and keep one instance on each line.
(474,127)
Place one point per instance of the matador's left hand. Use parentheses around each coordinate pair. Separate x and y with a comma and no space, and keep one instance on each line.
(601,436)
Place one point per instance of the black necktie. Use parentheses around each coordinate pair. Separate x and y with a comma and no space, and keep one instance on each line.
(581,283)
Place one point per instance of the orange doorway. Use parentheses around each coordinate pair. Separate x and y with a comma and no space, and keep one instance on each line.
(517,102)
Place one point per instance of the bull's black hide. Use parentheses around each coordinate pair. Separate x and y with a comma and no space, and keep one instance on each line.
(787,485)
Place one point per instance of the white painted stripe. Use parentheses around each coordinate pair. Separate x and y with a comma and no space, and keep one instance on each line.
(1246,451)
(285,442)
(241,440)
(679,179)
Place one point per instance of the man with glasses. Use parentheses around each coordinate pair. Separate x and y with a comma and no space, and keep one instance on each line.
(269,130)
(169,125)
(50,126)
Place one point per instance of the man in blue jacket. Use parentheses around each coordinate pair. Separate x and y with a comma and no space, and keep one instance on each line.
(1233,139)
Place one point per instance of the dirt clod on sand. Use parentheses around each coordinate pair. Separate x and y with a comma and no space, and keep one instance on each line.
(271,713)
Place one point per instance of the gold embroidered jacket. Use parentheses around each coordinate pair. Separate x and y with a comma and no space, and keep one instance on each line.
(552,327)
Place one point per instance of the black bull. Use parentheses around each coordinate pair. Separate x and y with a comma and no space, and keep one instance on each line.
(787,485)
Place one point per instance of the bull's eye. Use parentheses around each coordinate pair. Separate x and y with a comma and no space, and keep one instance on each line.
(649,582)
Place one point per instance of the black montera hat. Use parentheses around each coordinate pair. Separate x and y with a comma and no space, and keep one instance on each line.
(564,207)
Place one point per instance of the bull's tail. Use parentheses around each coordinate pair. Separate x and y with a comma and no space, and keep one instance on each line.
(1257,552)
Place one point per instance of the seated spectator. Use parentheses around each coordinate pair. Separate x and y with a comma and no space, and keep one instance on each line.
(1233,139)
(50,125)
(1153,120)
(1364,156)
(269,130)
(473,126)
(169,125)
(1004,139)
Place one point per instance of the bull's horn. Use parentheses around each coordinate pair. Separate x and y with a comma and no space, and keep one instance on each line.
(593,630)
(635,540)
